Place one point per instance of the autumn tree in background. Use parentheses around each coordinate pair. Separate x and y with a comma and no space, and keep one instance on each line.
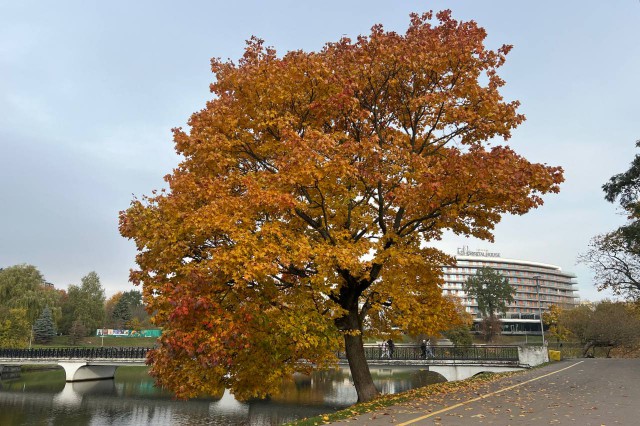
(552,322)
(124,309)
(77,331)
(24,287)
(109,306)
(15,329)
(311,186)
(606,324)
(615,256)
(493,294)
(84,303)
(134,324)
(460,332)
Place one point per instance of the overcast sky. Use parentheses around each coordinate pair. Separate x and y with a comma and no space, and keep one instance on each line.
(90,90)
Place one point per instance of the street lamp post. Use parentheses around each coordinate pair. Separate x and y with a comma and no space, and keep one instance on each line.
(537,277)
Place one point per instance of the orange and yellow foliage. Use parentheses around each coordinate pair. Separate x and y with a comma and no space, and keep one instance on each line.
(311,186)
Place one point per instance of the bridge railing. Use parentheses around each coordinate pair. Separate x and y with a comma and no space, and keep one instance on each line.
(75,353)
(444,353)
(372,352)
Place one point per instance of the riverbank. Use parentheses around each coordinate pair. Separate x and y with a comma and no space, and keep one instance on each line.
(39,367)
(434,392)
(588,391)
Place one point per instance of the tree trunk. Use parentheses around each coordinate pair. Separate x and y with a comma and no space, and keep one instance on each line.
(351,325)
(360,373)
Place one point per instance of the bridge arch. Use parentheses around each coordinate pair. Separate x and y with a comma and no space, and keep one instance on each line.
(80,371)
(462,372)
(80,364)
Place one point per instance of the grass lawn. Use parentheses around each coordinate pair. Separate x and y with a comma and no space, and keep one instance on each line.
(93,341)
(507,339)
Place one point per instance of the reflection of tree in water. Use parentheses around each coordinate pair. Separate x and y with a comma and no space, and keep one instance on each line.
(400,379)
(12,417)
(313,388)
(135,381)
(36,381)
(330,386)
(40,407)
(422,378)
(43,398)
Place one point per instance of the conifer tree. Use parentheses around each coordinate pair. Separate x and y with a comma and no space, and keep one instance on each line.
(44,329)
(121,312)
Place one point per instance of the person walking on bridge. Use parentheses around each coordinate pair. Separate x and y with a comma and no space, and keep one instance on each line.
(426,350)
(384,350)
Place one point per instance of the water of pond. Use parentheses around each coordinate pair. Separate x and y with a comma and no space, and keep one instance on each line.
(43,398)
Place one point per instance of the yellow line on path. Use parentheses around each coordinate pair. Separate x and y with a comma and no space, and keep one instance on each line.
(444,410)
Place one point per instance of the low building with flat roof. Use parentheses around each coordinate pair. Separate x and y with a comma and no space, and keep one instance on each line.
(538,286)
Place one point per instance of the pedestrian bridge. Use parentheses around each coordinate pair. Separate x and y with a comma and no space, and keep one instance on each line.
(79,364)
(457,363)
(454,363)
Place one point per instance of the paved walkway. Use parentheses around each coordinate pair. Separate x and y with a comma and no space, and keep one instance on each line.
(574,392)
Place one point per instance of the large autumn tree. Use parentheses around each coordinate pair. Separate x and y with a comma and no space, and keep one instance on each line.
(310,187)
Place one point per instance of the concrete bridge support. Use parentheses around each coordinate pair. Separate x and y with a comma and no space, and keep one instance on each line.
(533,355)
(80,371)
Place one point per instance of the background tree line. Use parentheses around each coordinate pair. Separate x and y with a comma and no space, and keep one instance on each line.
(607,324)
(31,308)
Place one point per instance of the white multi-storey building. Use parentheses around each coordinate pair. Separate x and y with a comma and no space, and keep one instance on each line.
(537,285)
